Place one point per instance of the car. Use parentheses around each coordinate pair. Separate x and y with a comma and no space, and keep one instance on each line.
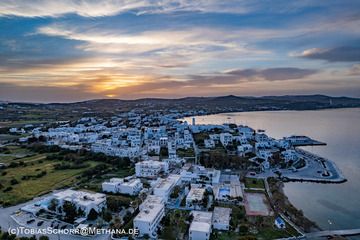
(30,221)
(40,223)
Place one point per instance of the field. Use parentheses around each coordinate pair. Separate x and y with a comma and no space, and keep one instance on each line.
(258,228)
(29,174)
(254,183)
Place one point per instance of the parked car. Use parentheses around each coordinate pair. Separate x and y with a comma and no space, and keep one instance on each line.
(30,221)
(40,223)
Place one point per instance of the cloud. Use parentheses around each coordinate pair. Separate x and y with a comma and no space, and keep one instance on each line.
(86,8)
(338,54)
(167,48)
(93,8)
(273,74)
(354,70)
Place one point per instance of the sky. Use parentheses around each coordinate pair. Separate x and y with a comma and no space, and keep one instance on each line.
(74,50)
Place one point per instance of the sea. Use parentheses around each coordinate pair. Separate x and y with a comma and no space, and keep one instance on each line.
(331,206)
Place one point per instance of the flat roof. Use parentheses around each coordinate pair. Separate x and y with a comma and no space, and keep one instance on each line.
(221,215)
(200,227)
(80,197)
(196,193)
(150,209)
(201,222)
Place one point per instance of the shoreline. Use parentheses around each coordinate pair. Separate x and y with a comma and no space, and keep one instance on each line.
(266,110)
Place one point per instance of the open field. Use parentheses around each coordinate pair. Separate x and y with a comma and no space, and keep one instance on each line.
(17,153)
(254,183)
(267,230)
(36,184)
(256,204)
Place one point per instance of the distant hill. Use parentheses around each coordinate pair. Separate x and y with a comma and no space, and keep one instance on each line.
(189,105)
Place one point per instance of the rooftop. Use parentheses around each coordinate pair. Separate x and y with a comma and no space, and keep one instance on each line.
(80,197)
(201,221)
(196,193)
(150,209)
(221,215)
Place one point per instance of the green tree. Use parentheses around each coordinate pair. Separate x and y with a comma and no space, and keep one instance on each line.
(92,215)
(53,204)
(70,211)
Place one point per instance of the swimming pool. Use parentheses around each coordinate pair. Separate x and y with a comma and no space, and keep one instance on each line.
(223,192)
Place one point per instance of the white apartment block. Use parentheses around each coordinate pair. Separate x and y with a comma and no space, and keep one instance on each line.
(194,197)
(152,210)
(221,218)
(84,200)
(130,186)
(165,186)
(200,227)
(150,169)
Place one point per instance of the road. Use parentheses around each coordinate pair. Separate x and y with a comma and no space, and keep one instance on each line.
(346,232)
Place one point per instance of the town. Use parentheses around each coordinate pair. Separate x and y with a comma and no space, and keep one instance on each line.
(160,175)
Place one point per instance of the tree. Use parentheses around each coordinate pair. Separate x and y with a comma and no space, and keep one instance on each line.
(70,211)
(176,192)
(92,214)
(80,212)
(106,215)
(43,238)
(53,204)
(14,181)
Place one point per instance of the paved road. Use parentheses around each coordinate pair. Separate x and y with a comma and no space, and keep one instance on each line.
(347,232)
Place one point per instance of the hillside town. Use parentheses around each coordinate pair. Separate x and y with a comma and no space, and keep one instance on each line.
(177,174)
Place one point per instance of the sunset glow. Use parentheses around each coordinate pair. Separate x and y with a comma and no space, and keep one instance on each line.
(132,49)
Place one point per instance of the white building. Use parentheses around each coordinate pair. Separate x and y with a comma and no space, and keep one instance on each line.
(200,174)
(152,210)
(261,137)
(194,197)
(246,132)
(226,138)
(150,169)
(264,154)
(221,218)
(83,200)
(244,149)
(209,143)
(290,155)
(229,189)
(130,186)
(200,227)
(165,186)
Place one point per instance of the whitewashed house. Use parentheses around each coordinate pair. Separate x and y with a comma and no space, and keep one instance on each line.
(150,169)
(242,150)
(209,143)
(200,227)
(194,197)
(226,138)
(130,186)
(221,218)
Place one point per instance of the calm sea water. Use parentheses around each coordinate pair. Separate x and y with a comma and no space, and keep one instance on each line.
(340,129)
